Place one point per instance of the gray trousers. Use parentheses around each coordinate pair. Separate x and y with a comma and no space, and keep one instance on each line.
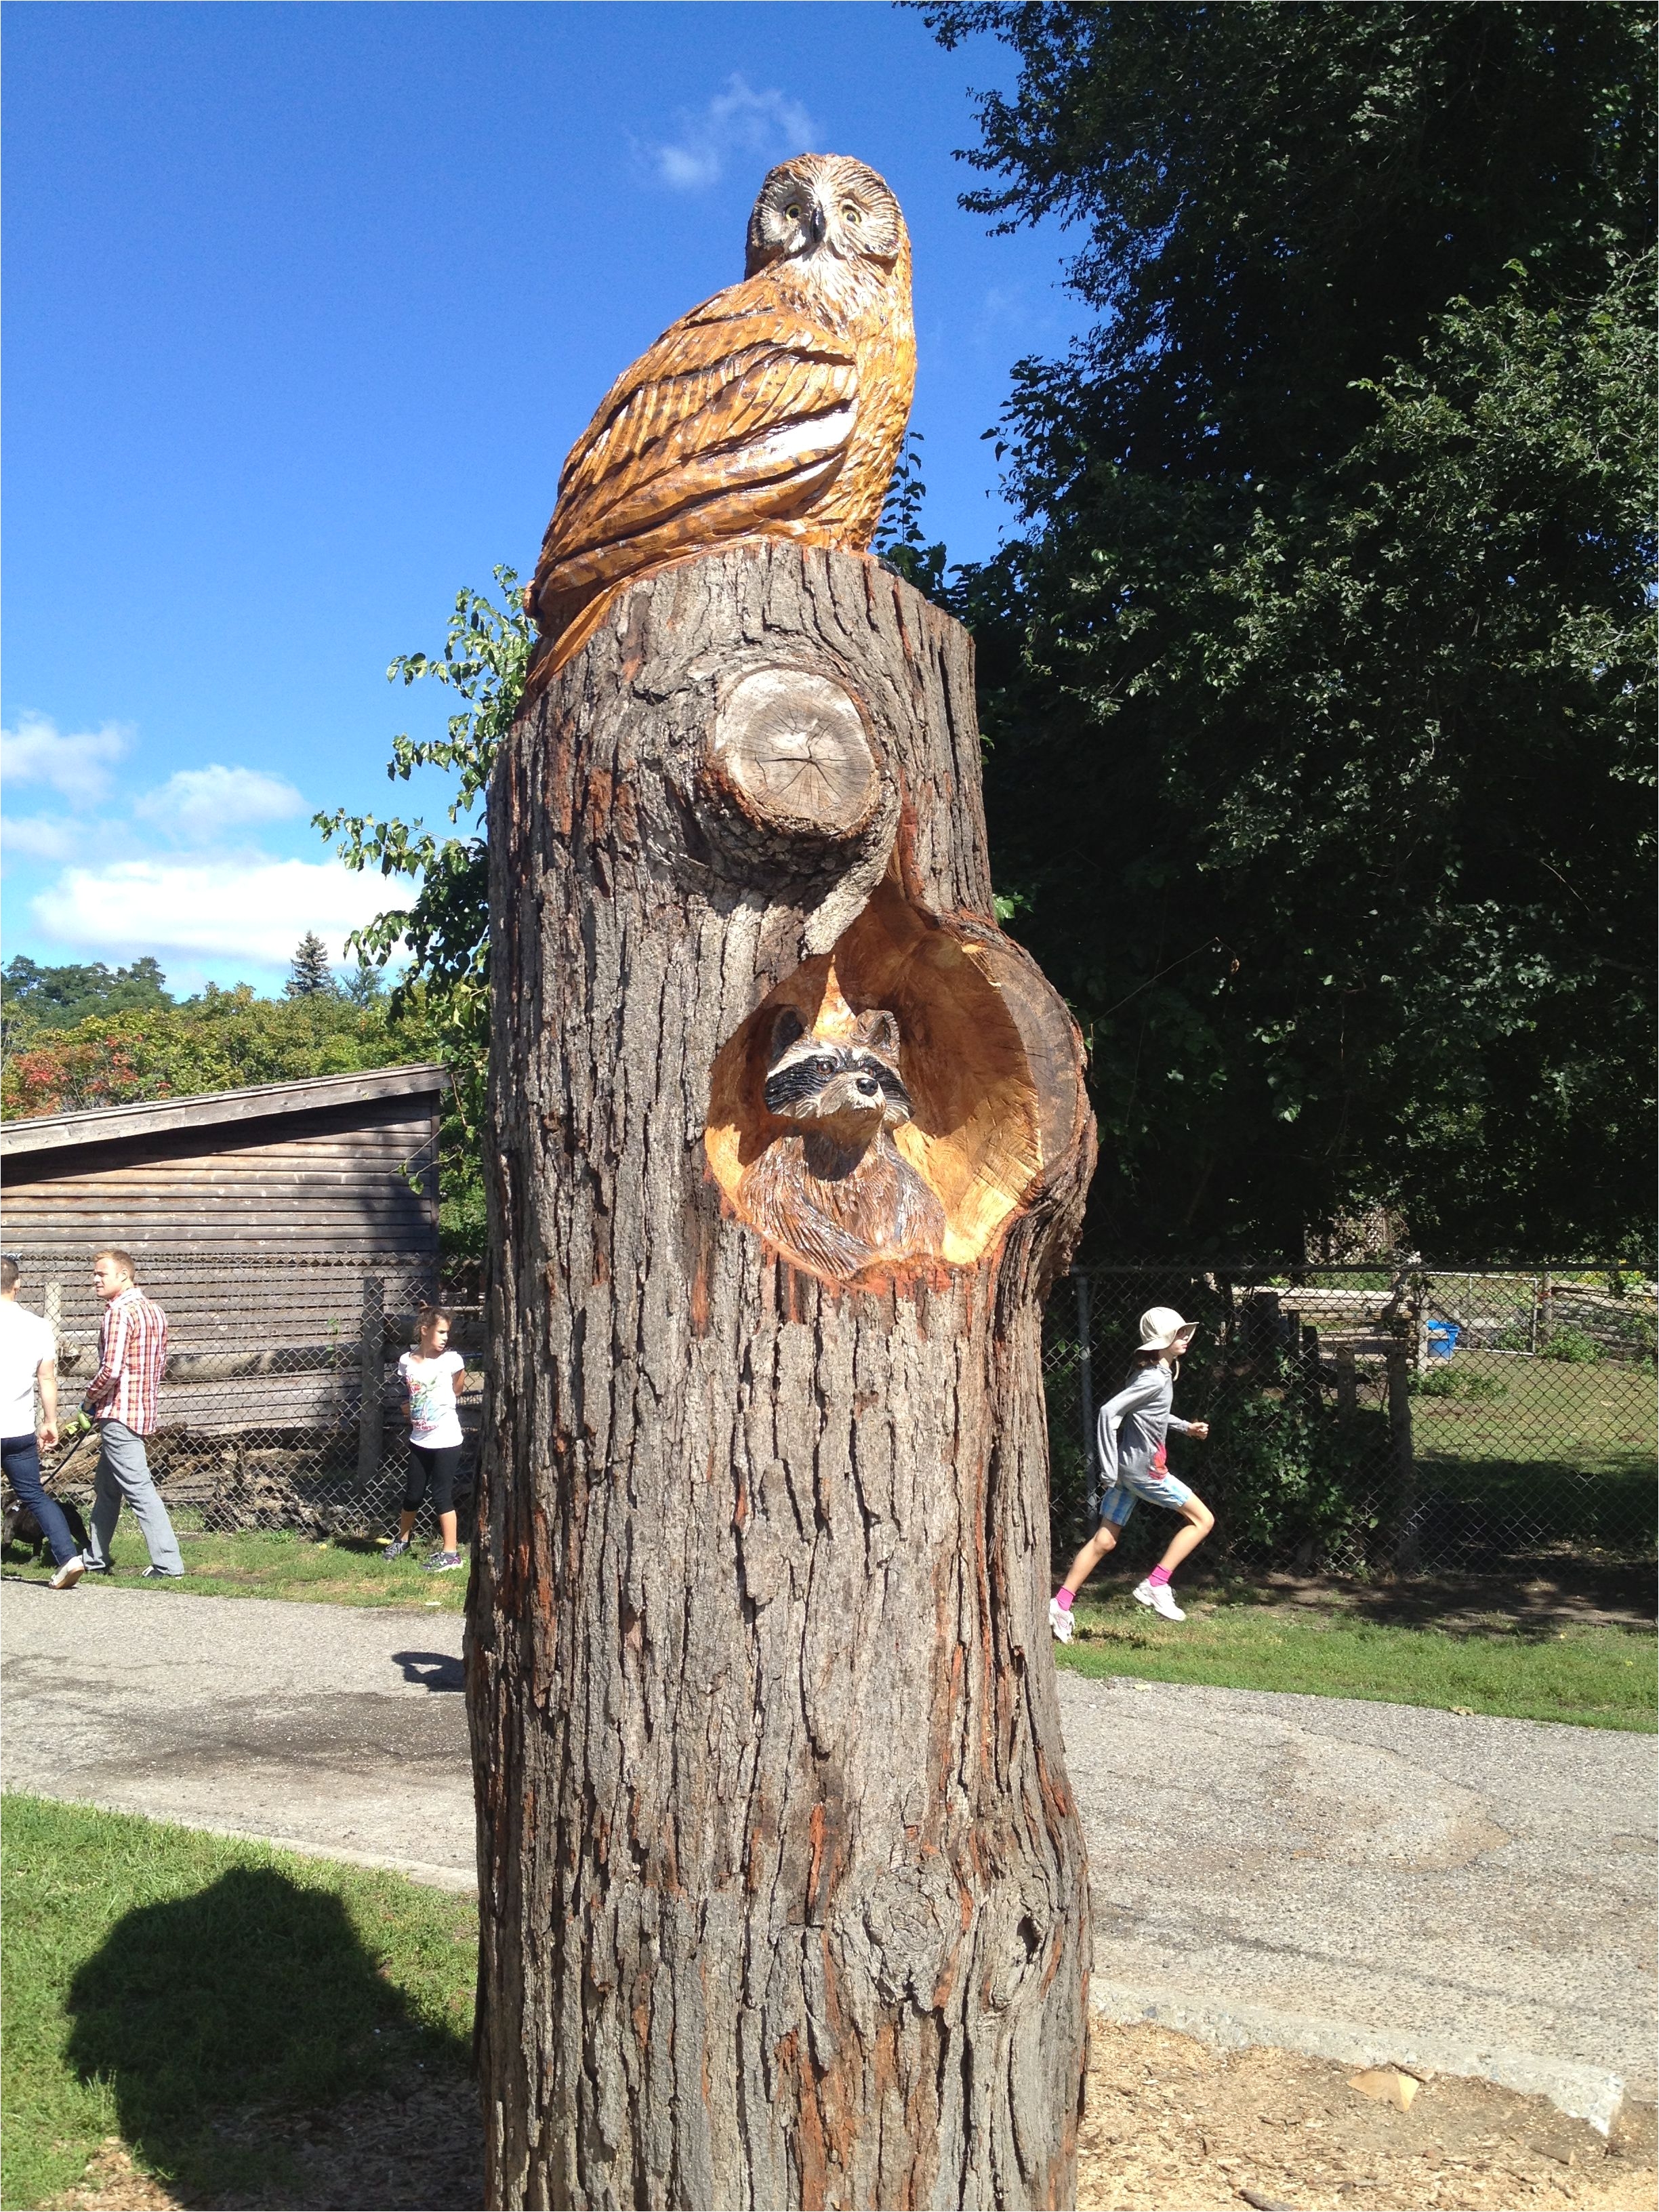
(124,1478)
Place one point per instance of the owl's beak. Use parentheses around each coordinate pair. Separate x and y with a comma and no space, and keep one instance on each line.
(815,225)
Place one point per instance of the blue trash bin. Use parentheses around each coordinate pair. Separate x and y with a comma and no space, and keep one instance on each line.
(1443,1339)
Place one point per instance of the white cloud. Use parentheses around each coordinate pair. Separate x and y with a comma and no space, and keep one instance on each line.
(76,762)
(738,120)
(195,803)
(253,909)
(40,836)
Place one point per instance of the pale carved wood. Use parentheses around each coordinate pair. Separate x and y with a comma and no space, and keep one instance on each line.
(776,409)
(782,1883)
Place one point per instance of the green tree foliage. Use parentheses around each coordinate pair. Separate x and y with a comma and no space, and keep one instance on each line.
(443,930)
(900,540)
(36,998)
(1318,691)
(309,974)
(366,985)
(229,1039)
(223,1041)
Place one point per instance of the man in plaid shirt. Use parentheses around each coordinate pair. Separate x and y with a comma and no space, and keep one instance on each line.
(122,1398)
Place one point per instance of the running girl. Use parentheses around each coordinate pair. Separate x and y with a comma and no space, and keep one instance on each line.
(1132,1431)
(428,1376)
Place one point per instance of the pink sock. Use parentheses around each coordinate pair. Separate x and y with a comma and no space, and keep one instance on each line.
(1157,1577)
(1063,1599)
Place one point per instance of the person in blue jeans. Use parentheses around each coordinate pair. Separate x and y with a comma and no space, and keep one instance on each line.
(28,1360)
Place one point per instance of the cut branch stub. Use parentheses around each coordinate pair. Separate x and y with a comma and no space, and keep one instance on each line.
(790,751)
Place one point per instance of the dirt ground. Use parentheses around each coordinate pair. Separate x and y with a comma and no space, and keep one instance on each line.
(1549,1595)
(1171,2126)
(1174,2126)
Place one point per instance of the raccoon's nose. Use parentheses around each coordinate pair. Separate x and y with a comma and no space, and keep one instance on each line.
(867,1086)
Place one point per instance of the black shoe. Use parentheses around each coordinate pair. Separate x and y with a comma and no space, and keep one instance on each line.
(98,1566)
(162,1575)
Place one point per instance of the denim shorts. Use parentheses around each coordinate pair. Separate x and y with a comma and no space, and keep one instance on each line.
(1156,1488)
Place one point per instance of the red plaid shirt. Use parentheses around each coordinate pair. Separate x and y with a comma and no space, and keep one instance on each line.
(132,1353)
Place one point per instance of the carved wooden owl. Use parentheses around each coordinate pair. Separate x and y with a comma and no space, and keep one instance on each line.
(776,409)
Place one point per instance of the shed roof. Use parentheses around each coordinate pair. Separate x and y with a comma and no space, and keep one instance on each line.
(261,1102)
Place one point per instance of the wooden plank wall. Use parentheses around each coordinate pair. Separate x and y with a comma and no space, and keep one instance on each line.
(250,1234)
(337,1180)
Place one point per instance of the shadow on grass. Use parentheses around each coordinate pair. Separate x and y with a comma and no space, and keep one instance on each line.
(227,2021)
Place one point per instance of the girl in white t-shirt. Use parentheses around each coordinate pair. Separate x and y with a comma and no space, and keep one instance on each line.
(428,1376)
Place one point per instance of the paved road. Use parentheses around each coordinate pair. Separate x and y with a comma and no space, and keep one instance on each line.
(318,1726)
(1452,1882)
(1313,1865)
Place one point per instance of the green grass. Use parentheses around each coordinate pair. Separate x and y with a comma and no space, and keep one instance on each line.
(1592,1419)
(157,1982)
(338,1570)
(1594,1677)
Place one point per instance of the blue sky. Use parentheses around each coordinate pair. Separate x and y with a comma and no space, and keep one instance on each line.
(305,305)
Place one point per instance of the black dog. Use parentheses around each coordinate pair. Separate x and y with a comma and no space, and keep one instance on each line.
(19,1526)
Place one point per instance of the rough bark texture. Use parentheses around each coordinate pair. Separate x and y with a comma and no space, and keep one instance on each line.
(782,1886)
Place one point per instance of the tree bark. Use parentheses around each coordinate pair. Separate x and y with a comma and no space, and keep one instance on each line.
(782,1886)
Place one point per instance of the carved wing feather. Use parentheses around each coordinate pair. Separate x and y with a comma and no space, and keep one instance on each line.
(762,402)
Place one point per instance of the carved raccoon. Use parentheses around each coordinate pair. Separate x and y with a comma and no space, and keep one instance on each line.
(835,1189)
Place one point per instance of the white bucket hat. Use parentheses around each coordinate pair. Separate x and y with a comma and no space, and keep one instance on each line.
(1159,1327)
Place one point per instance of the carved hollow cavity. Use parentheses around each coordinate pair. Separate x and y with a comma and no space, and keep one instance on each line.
(789,748)
(958,1146)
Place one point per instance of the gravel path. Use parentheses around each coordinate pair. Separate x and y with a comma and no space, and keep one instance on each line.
(1371,1881)
(1360,1881)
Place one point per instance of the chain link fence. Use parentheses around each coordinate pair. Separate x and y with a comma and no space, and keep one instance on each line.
(1365,1418)
(1379,1419)
(280,1407)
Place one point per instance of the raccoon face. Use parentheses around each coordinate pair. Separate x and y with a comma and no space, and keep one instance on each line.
(810,1080)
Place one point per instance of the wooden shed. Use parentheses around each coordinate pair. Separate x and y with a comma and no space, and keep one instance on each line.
(277,1225)
(331,1163)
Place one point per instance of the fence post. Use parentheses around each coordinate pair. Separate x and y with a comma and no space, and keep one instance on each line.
(1420,1323)
(1085,1386)
(52,1310)
(1407,1549)
(1307,1366)
(1346,1398)
(371,1342)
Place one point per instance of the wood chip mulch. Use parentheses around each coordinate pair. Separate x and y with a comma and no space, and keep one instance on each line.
(1171,2126)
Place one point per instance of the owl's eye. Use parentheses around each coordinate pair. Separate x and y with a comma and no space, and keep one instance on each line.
(852,214)
(793,211)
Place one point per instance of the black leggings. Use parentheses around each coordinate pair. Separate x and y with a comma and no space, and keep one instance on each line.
(440,1465)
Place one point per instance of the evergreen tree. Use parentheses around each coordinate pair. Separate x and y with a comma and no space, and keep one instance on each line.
(365,986)
(309,974)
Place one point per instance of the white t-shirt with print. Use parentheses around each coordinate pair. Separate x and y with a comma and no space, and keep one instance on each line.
(430,1387)
(24,1341)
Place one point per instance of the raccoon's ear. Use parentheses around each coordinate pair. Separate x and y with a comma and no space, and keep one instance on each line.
(788,1028)
(880,1033)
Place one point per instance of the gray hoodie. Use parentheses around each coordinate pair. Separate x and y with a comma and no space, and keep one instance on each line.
(1132,1425)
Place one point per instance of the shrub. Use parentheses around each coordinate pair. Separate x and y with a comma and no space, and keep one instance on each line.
(1573,1344)
(1449,1381)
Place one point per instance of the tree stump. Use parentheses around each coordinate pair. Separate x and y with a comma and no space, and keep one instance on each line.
(783,1888)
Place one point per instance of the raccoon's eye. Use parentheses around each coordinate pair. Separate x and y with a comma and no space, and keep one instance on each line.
(822,1066)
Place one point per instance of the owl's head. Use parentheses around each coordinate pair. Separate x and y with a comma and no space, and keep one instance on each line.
(826,203)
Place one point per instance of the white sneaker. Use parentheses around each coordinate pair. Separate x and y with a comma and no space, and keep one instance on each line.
(1060,1620)
(1161,1600)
